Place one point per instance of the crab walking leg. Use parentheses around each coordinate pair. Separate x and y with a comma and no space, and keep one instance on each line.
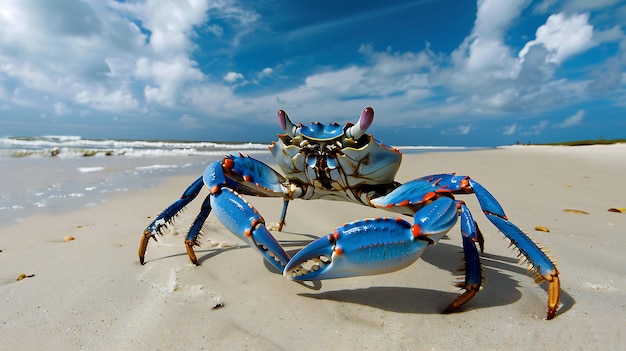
(373,246)
(539,262)
(168,215)
(469,227)
(283,214)
(241,219)
(473,271)
(196,227)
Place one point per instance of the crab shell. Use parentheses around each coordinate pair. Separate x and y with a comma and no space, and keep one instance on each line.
(334,157)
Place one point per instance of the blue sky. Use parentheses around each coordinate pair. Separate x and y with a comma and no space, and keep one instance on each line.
(483,73)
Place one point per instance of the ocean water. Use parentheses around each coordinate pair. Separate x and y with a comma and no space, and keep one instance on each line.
(51,174)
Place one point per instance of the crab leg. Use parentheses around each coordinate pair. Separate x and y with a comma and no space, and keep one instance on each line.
(473,272)
(167,216)
(226,179)
(420,191)
(283,214)
(196,227)
(539,262)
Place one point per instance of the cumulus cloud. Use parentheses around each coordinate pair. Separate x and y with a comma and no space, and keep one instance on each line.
(232,77)
(170,23)
(563,36)
(166,77)
(139,56)
(109,56)
(484,52)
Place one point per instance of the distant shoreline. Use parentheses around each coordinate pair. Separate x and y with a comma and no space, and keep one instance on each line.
(586,142)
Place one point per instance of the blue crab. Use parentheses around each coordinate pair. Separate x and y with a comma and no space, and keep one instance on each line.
(344,163)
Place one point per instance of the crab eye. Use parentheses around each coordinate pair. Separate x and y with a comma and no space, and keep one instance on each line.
(364,122)
(285,123)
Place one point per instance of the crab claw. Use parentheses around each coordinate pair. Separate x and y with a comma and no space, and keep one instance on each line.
(371,246)
(365,121)
(241,219)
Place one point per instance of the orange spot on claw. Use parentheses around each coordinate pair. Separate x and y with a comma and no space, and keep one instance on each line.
(416,230)
(336,235)
(247,178)
(214,189)
(338,251)
(464,183)
(429,197)
(228,163)
(404,203)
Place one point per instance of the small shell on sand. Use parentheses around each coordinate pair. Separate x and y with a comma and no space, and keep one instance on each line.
(68,238)
(569,210)
(24,276)
(618,209)
(542,229)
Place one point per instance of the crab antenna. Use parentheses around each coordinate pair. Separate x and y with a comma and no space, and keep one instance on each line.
(285,123)
(365,121)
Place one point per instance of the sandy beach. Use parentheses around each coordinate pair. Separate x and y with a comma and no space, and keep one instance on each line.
(91,293)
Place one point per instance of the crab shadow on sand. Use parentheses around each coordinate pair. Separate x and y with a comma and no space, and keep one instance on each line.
(500,288)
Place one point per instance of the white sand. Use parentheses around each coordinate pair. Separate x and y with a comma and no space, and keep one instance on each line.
(91,293)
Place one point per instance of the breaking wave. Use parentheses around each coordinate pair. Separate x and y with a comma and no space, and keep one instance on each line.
(75,146)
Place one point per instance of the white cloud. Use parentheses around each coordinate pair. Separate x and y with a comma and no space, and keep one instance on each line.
(138,56)
(458,130)
(117,100)
(493,17)
(169,76)
(484,50)
(510,130)
(563,36)
(537,128)
(232,77)
(343,80)
(573,120)
(213,99)
(266,72)
(129,54)
(171,23)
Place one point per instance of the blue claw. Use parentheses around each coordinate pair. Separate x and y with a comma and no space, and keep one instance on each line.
(241,219)
(366,247)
